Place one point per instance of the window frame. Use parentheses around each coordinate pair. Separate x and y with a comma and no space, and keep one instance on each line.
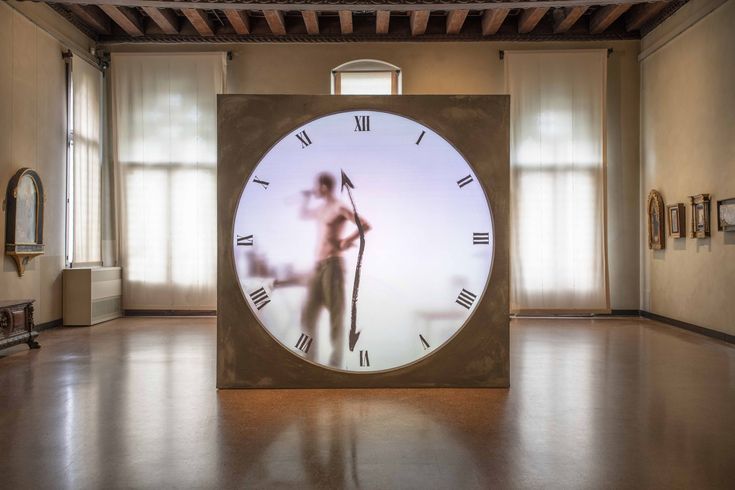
(367,66)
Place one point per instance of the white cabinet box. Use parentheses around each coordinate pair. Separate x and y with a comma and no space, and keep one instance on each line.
(92,295)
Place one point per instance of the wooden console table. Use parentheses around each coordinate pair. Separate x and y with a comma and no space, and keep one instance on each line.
(16,323)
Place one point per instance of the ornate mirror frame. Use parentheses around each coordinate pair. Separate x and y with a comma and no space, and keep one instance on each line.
(677,220)
(656,221)
(700,220)
(16,243)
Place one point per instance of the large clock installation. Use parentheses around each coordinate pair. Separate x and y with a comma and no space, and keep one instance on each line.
(362,241)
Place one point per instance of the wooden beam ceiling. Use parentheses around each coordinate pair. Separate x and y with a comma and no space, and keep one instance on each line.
(275,21)
(345,21)
(455,20)
(311,21)
(492,20)
(605,16)
(165,19)
(382,21)
(565,18)
(419,21)
(643,13)
(127,19)
(93,17)
(199,20)
(239,20)
(530,18)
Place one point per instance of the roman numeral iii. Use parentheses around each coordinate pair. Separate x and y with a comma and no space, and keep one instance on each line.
(260,298)
(466,298)
(304,343)
(304,139)
(481,238)
(464,181)
(362,123)
(364,359)
(245,241)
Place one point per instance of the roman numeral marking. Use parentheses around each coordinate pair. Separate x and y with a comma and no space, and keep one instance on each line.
(466,298)
(364,359)
(304,343)
(481,238)
(421,136)
(464,181)
(304,139)
(260,298)
(261,182)
(245,241)
(424,343)
(362,123)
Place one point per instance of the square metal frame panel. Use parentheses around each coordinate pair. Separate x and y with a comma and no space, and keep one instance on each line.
(478,355)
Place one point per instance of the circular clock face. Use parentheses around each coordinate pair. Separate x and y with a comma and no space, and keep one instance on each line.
(363,241)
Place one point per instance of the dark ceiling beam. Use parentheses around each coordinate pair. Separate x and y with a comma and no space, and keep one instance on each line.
(199,20)
(93,17)
(382,21)
(565,18)
(530,18)
(455,20)
(605,16)
(345,21)
(337,5)
(239,20)
(492,20)
(275,21)
(311,21)
(419,21)
(164,18)
(128,20)
(642,13)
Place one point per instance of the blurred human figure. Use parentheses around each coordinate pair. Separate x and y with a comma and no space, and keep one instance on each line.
(325,288)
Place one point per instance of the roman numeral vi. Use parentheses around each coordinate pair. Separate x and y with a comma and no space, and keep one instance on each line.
(245,241)
(466,298)
(362,123)
(304,343)
(260,298)
(304,139)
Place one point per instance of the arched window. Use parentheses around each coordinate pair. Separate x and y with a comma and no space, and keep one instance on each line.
(366,77)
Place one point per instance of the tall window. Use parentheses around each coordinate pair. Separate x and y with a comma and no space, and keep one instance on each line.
(85,169)
(366,77)
(558,248)
(165,153)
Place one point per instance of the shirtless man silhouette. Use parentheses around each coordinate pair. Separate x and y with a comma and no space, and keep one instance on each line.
(326,285)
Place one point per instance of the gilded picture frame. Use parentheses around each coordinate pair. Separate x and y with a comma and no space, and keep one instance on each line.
(677,220)
(656,221)
(24,203)
(700,205)
(726,214)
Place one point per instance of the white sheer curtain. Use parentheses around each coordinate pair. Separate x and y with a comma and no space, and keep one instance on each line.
(558,250)
(164,131)
(86,170)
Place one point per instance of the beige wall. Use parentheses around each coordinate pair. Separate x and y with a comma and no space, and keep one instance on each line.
(467,68)
(32,134)
(688,147)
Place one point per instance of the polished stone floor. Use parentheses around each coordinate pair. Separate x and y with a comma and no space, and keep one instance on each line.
(607,403)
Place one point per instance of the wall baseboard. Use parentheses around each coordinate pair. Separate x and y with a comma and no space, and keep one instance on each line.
(170,312)
(48,325)
(715,334)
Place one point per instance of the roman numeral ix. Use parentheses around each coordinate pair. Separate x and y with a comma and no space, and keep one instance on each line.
(260,298)
(261,182)
(304,343)
(466,298)
(245,241)
(464,181)
(424,343)
(421,136)
(362,123)
(364,359)
(481,238)
(304,139)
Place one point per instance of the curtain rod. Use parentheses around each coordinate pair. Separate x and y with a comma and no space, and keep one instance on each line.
(501,53)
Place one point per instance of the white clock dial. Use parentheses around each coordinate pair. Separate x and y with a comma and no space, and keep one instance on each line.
(422,218)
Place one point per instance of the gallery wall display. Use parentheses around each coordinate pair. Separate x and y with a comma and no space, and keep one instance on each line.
(700,205)
(677,220)
(363,241)
(24,201)
(656,220)
(726,215)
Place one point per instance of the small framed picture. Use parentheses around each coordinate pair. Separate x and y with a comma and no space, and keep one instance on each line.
(677,220)
(700,216)
(656,221)
(726,214)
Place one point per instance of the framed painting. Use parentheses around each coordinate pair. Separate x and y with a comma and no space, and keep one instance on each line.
(677,220)
(24,218)
(656,219)
(700,216)
(726,214)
